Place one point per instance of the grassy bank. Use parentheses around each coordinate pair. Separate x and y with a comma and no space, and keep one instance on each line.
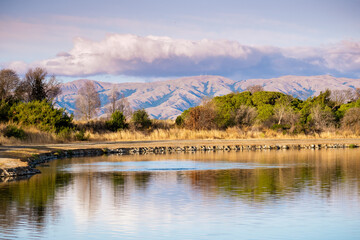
(36,136)
(230,133)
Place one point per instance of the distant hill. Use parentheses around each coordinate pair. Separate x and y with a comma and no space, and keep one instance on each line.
(168,99)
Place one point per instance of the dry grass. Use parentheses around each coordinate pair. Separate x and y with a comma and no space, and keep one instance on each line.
(231,133)
(34,136)
(169,132)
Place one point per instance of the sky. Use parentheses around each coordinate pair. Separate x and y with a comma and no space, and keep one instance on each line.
(125,41)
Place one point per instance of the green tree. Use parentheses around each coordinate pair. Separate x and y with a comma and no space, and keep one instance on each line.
(5,107)
(265,112)
(42,115)
(141,119)
(117,121)
(226,107)
(261,98)
(180,120)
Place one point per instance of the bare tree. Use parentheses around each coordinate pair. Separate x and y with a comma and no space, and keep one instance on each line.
(284,113)
(118,102)
(340,97)
(36,86)
(88,101)
(356,94)
(124,106)
(245,115)
(255,88)
(351,119)
(9,82)
(114,96)
(322,118)
(280,112)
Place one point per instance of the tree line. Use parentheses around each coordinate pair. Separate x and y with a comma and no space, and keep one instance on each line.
(31,102)
(259,109)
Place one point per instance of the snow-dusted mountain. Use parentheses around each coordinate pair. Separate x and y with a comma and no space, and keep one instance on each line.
(168,99)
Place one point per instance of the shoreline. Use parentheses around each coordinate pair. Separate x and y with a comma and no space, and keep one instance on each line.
(17,161)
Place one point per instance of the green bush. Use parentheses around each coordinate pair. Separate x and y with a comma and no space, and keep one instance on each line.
(266,98)
(13,131)
(65,133)
(4,111)
(81,136)
(179,121)
(116,122)
(141,119)
(228,105)
(265,112)
(42,115)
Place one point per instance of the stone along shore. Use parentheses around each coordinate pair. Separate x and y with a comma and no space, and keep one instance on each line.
(42,158)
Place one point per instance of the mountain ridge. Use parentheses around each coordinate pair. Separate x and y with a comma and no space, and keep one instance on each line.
(169,98)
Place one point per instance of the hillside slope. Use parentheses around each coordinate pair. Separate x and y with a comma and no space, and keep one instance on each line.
(168,99)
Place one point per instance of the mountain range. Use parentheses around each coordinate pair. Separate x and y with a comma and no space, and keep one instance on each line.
(168,99)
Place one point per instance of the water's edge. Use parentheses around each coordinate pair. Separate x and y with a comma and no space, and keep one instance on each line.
(10,174)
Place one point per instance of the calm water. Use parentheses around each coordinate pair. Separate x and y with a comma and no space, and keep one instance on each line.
(247,195)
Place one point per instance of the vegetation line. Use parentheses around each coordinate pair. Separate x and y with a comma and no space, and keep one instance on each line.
(28,114)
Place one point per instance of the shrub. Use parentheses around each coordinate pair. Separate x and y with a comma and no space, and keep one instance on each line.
(262,98)
(141,119)
(13,131)
(65,133)
(116,122)
(179,121)
(4,111)
(322,118)
(265,112)
(245,115)
(41,114)
(81,136)
(351,119)
(226,107)
(201,118)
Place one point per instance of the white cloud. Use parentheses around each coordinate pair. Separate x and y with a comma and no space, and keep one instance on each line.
(126,54)
(343,57)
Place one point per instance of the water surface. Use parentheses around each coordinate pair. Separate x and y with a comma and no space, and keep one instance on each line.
(246,195)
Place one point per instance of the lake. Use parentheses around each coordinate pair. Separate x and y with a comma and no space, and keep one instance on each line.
(285,194)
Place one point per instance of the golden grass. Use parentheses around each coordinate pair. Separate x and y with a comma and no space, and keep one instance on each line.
(230,133)
(34,136)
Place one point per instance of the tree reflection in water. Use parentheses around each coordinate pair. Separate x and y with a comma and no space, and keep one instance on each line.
(277,175)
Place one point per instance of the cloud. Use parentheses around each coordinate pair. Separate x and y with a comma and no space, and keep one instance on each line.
(154,56)
(343,57)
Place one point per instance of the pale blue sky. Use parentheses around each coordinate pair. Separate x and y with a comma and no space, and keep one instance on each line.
(36,31)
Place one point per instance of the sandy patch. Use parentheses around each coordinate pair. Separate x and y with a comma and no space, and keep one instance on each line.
(11,163)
